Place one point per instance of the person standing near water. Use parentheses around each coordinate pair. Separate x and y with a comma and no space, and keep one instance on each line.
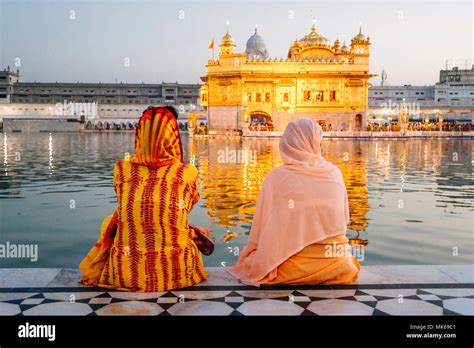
(298,233)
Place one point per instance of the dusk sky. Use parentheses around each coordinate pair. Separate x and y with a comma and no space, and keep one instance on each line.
(89,41)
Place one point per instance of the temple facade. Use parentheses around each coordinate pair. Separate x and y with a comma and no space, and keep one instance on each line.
(324,81)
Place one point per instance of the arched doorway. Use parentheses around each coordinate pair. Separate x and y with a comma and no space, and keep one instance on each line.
(358,122)
(261,120)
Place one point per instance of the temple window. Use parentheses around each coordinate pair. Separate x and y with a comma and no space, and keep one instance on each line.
(267,98)
(332,96)
(307,96)
(286,97)
(319,96)
(249,97)
(258,98)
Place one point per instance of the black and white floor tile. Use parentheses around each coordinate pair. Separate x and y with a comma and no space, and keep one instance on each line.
(413,299)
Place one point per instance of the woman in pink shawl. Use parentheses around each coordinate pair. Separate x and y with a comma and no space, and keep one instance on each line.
(298,233)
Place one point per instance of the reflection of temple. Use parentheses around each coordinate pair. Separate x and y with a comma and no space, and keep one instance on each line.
(352,162)
(319,79)
(230,190)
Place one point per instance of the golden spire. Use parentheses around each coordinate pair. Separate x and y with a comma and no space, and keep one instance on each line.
(360,36)
(227,45)
(313,27)
(337,43)
(227,36)
(344,48)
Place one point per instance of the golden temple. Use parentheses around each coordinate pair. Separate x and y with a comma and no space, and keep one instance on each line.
(320,80)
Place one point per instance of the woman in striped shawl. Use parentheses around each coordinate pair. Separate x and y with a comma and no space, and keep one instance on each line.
(147,244)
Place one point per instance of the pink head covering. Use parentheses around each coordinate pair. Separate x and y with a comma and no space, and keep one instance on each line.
(300,203)
(300,144)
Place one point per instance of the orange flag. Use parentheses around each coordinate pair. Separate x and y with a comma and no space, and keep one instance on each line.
(211,45)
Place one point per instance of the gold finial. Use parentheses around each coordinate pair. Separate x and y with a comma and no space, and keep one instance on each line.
(227,24)
(344,46)
(313,27)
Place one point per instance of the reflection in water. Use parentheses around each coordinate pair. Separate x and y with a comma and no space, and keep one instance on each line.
(230,188)
(50,148)
(410,200)
(5,154)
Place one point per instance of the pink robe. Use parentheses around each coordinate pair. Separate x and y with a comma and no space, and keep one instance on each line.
(301,204)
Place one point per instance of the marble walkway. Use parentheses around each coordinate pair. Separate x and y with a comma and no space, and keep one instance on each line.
(381,290)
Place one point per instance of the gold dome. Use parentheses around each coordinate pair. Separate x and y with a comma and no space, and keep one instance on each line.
(227,45)
(314,38)
(360,36)
(344,47)
(227,37)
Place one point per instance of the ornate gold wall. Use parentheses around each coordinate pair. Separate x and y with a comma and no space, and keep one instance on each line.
(319,80)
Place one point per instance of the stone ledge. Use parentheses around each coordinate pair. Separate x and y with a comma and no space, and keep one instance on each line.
(218,277)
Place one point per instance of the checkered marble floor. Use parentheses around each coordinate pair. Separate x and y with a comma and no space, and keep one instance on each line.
(399,301)
(57,293)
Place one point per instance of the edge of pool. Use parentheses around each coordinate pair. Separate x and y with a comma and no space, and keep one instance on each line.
(370,275)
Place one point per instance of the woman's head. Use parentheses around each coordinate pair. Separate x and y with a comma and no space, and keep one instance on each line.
(301,143)
(157,141)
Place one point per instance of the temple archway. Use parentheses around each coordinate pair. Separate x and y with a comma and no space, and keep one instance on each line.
(261,120)
(358,122)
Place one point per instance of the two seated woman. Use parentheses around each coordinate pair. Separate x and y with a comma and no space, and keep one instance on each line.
(147,244)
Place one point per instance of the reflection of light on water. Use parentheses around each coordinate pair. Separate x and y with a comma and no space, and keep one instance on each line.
(374,169)
(245,179)
(228,236)
(50,148)
(403,169)
(5,153)
(230,189)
